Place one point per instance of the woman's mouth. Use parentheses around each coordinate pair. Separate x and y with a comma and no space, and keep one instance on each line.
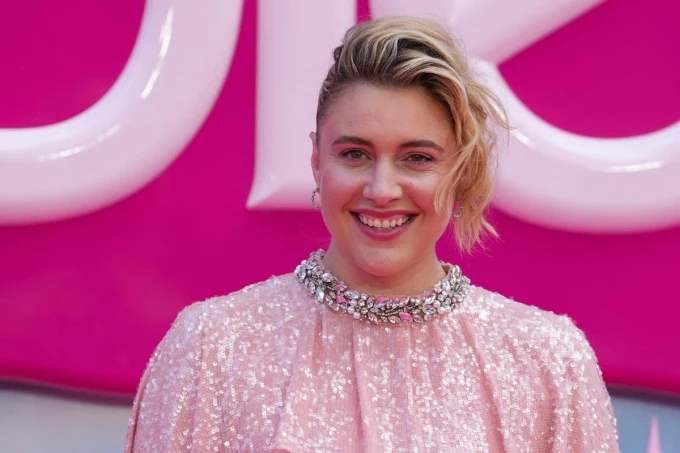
(384,224)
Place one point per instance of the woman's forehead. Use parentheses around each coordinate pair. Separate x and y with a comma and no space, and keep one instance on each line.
(375,113)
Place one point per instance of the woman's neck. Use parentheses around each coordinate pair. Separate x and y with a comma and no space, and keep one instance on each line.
(414,279)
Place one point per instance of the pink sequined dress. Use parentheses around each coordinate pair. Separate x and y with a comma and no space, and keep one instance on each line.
(269,369)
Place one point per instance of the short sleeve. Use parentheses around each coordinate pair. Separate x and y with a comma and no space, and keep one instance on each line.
(582,419)
(169,412)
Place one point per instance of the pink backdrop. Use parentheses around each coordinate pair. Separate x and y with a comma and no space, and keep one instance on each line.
(85,301)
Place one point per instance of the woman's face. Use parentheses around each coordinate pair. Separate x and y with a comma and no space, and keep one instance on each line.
(378,161)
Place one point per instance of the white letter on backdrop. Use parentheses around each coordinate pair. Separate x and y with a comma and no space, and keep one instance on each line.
(294,40)
(175,73)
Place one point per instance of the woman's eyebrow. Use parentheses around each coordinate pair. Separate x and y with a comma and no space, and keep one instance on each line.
(344,139)
(423,143)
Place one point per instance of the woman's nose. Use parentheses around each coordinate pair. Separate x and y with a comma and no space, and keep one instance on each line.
(384,185)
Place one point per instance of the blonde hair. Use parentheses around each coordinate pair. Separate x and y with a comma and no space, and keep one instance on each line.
(402,52)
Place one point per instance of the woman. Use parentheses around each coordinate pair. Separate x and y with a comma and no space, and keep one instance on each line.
(376,345)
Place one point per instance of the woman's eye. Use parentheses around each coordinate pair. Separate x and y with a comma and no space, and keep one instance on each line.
(354,154)
(419,158)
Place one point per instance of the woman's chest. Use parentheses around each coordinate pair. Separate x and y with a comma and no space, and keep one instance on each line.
(328,400)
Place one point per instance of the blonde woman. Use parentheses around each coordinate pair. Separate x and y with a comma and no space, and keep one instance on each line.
(375,345)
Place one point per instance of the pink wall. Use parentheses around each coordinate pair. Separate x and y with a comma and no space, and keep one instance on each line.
(84,301)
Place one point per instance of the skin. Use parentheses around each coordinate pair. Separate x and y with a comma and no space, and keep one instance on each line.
(383,150)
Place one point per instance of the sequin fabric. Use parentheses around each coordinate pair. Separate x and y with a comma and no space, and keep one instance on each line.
(268,369)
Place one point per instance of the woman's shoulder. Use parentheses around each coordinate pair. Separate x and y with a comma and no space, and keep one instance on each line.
(535,328)
(269,302)
(490,303)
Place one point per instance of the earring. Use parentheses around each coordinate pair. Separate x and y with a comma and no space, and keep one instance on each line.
(311,199)
(459,211)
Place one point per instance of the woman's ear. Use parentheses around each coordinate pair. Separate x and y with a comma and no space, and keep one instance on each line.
(315,157)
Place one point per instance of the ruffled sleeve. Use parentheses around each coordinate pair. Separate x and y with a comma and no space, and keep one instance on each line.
(175,401)
(582,418)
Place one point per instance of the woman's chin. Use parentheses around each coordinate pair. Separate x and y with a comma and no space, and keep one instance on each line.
(383,263)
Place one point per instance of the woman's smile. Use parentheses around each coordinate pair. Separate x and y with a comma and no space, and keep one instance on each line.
(385,229)
(384,224)
(383,220)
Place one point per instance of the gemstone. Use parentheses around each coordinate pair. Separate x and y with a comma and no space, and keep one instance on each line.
(405,316)
(356,315)
(429,310)
(436,304)
(446,285)
(352,294)
(417,318)
(417,301)
(394,319)
(364,311)
(340,287)
(364,296)
(441,310)
(319,294)
(372,317)
(341,300)
(350,310)
(327,277)
(429,298)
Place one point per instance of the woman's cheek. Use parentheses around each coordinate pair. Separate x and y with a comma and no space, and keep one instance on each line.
(341,182)
(423,191)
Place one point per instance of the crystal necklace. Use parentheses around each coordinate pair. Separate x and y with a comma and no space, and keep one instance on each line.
(445,296)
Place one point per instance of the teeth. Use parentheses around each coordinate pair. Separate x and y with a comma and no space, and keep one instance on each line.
(383,224)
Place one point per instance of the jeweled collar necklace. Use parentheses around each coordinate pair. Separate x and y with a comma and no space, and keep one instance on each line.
(445,296)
